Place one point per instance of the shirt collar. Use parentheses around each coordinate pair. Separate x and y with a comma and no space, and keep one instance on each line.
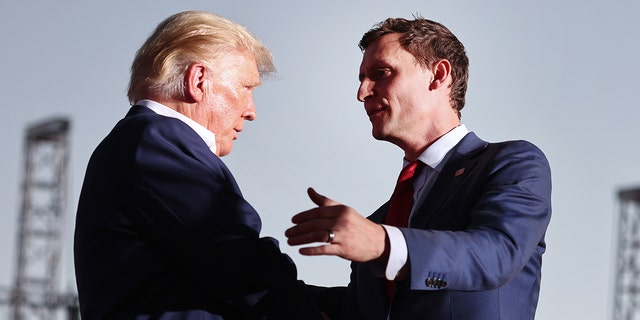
(206,135)
(436,152)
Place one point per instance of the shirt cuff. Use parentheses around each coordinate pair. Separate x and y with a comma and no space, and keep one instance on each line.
(397,252)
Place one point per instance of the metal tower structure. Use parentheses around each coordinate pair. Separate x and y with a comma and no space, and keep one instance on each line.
(41,221)
(627,283)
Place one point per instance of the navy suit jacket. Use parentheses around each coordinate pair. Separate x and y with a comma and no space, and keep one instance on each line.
(475,242)
(163,232)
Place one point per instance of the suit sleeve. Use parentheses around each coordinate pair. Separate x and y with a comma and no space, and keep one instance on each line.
(496,223)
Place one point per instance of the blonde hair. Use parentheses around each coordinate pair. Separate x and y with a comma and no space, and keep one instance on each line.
(183,39)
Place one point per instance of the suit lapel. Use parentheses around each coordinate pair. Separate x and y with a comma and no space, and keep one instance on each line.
(460,164)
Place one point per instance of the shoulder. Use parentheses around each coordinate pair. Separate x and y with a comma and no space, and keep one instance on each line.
(143,127)
(521,145)
(148,135)
(518,162)
(143,119)
(517,149)
(473,146)
(506,159)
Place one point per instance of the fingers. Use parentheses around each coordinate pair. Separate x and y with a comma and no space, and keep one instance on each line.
(319,213)
(297,237)
(319,199)
(313,226)
(356,238)
(314,237)
(323,250)
(327,208)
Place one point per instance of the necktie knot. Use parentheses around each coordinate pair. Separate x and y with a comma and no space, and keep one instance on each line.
(409,171)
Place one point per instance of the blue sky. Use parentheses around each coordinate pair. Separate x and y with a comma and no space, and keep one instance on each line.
(561,74)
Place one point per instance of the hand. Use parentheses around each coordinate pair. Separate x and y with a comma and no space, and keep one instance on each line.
(355,237)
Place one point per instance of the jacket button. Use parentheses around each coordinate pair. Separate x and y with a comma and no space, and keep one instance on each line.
(435,283)
(430,282)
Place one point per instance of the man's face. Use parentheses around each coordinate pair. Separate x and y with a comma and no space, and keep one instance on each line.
(395,91)
(228,100)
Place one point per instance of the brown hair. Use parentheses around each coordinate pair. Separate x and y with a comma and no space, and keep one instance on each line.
(428,41)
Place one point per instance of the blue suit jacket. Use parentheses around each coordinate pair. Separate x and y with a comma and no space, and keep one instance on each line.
(475,242)
(163,232)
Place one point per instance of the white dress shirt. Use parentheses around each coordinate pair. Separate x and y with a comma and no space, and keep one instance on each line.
(434,157)
(204,133)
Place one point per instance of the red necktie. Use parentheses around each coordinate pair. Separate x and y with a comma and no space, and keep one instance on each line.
(401,203)
(402,197)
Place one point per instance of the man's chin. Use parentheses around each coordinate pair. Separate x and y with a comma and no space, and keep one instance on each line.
(378,135)
(221,152)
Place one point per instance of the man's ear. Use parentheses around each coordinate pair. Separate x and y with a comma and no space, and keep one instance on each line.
(441,74)
(195,82)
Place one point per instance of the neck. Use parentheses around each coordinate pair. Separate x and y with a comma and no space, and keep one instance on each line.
(412,152)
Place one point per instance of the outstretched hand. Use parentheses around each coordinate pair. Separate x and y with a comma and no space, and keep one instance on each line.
(355,237)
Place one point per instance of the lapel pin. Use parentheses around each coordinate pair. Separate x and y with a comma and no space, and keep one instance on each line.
(458,173)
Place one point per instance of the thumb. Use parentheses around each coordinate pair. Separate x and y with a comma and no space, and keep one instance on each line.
(319,199)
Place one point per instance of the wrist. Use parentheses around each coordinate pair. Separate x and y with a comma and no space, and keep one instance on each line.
(385,248)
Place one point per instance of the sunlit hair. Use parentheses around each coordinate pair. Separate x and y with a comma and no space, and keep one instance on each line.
(183,39)
(428,41)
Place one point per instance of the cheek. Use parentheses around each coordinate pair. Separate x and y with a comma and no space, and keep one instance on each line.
(227,113)
(226,125)
(409,95)
(394,91)
(219,115)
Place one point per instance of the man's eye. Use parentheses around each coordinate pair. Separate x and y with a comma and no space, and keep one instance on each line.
(383,73)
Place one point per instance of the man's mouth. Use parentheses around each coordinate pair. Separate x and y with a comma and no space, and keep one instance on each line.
(373,112)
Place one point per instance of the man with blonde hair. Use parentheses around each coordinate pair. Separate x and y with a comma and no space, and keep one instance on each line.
(162,229)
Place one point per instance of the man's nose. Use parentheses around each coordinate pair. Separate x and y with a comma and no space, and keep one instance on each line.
(365,89)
